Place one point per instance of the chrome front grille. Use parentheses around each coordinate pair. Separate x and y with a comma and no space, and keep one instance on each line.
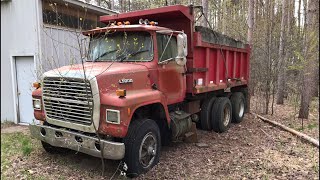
(68,99)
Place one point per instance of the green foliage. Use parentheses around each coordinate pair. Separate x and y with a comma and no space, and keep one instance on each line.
(26,146)
(312,126)
(15,144)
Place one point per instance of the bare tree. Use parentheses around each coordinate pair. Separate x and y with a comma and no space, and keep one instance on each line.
(311,56)
(249,38)
(205,12)
(281,63)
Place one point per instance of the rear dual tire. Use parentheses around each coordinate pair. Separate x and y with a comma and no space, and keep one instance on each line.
(238,107)
(218,113)
(205,114)
(221,114)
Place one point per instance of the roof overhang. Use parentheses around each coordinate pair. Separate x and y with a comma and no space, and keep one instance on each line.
(90,7)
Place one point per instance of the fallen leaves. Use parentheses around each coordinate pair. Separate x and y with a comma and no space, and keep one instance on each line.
(250,150)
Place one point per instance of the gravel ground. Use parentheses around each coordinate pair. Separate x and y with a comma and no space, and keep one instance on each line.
(249,150)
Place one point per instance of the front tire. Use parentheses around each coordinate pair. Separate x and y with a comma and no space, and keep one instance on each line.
(143,144)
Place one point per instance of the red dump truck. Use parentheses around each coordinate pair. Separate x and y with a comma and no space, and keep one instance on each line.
(148,76)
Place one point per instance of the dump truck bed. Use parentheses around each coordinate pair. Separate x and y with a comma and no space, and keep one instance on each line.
(219,61)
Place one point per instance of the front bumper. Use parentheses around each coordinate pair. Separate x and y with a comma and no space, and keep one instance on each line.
(78,142)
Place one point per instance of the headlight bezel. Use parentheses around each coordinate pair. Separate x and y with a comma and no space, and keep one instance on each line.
(37,101)
(117,114)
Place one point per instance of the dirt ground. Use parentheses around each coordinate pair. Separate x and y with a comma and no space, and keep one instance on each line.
(14,129)
(288,115)
(249,150)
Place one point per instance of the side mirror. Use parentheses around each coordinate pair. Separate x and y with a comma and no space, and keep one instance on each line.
(182,49)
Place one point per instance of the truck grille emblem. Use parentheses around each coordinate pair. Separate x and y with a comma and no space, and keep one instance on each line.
(124,81)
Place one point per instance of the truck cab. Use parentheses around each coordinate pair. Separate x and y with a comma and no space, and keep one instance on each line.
(127,67)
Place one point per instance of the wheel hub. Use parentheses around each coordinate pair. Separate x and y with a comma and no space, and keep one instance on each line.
(241,111)
(226,118)
(151,151)
(147,151)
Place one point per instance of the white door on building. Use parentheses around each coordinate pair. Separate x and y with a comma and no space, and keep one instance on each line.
(25,74)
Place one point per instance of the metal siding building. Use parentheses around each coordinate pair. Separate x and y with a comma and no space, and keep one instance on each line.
(27,46)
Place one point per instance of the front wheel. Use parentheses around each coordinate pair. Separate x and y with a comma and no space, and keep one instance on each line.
(143,143)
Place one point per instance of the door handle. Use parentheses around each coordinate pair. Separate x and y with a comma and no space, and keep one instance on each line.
(19,93)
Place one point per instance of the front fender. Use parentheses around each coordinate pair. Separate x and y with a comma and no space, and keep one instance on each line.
(127,106)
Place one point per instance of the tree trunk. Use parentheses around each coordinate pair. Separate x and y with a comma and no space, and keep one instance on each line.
(281,68)
(205,13)
(224,14)
(250,21)
(249,39)
(288,49)
(299,16)
(112,4)
(311,56)
(269,27)
(219,21)
(99,2)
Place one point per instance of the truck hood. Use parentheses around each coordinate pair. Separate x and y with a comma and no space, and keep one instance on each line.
(109,75)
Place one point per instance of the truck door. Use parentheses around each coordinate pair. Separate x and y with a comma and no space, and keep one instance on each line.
(172,81)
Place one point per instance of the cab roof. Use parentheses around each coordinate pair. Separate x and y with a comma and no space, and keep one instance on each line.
(135,27)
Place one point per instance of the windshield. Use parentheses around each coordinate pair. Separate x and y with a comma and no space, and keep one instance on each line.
(121,46)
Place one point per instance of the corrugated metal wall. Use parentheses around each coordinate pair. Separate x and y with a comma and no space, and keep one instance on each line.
(61,46)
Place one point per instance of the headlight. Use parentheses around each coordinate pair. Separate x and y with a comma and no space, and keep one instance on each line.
(113,116)
(36,104)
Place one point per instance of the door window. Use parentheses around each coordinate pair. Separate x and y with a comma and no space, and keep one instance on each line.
(167,46)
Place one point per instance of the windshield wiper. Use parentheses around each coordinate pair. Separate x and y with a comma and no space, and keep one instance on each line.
(124,56)
(137,52)
(105,53)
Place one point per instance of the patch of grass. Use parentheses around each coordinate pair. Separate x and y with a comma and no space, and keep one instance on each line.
(312,126)
(13,145)
(316,168)
(314,105)
(26,147)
